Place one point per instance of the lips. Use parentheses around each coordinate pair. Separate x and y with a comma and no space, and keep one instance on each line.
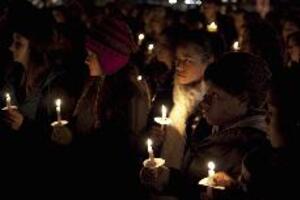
(181,75)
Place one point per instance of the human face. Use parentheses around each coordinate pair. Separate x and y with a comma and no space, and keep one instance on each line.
(288,28)
(219,107)
(163,52)
(210,11)
(190,66)
(20,49)
(293,51)
(93,62)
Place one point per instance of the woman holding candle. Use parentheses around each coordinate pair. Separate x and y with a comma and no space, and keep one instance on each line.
(236,90)
(112,107)
(33,83)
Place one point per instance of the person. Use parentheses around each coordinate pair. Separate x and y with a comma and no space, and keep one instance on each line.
(193,53)
(33,84)
(111,110)
(211,12)
(293,50)
(260,166)
(260,39)
(236,91)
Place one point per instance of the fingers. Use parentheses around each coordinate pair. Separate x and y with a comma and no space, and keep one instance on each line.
(13,118)
(148,175)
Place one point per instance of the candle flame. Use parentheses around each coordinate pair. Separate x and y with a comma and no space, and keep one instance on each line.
(141,36)
(58,102)
(7,96)
(139,77)
(211,165)
(236,46)
(150,47)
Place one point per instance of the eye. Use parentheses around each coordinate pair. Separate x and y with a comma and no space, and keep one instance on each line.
(18,44)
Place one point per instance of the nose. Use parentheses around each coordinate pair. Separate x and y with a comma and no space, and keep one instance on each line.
(11,47)
(179,66)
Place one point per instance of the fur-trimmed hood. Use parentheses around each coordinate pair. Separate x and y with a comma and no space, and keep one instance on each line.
(186,98)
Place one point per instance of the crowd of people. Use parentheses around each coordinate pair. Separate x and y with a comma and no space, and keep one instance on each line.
(80,86)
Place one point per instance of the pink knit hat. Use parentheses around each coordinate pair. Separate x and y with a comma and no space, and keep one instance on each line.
(113,43)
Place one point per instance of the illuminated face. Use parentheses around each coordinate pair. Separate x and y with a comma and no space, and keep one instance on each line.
(219,107)
(93,62)
(190,66)
(288,28)
(20,49)
(293,51)
(163,51)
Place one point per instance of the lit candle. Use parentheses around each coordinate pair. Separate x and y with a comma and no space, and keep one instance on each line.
(150,48)
(212,27)
(139,77)
(211,168)
(58,109)
(150,150)
(141,37)
(236,46)
(163,120)
(8,100)
(163,116)
(172,1)
(163,112)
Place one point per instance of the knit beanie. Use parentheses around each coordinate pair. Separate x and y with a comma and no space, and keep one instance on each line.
(113,43)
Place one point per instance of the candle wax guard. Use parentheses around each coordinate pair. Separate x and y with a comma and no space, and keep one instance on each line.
(158,162)
(209,183)
(10,107)
(162,121)
(61,123)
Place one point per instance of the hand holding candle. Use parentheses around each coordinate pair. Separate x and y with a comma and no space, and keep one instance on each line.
(152,162)
(8,103)
(209,181)
(59,121)
(163,120)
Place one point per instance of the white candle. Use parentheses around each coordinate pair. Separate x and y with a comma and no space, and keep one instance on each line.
(141,37)
(163,112)
(236,46)
(8,100)
(150,48)
(211,168)
(212,27)
(150,150)
(58,109)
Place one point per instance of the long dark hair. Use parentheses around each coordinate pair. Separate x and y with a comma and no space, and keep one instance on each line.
(37,68)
